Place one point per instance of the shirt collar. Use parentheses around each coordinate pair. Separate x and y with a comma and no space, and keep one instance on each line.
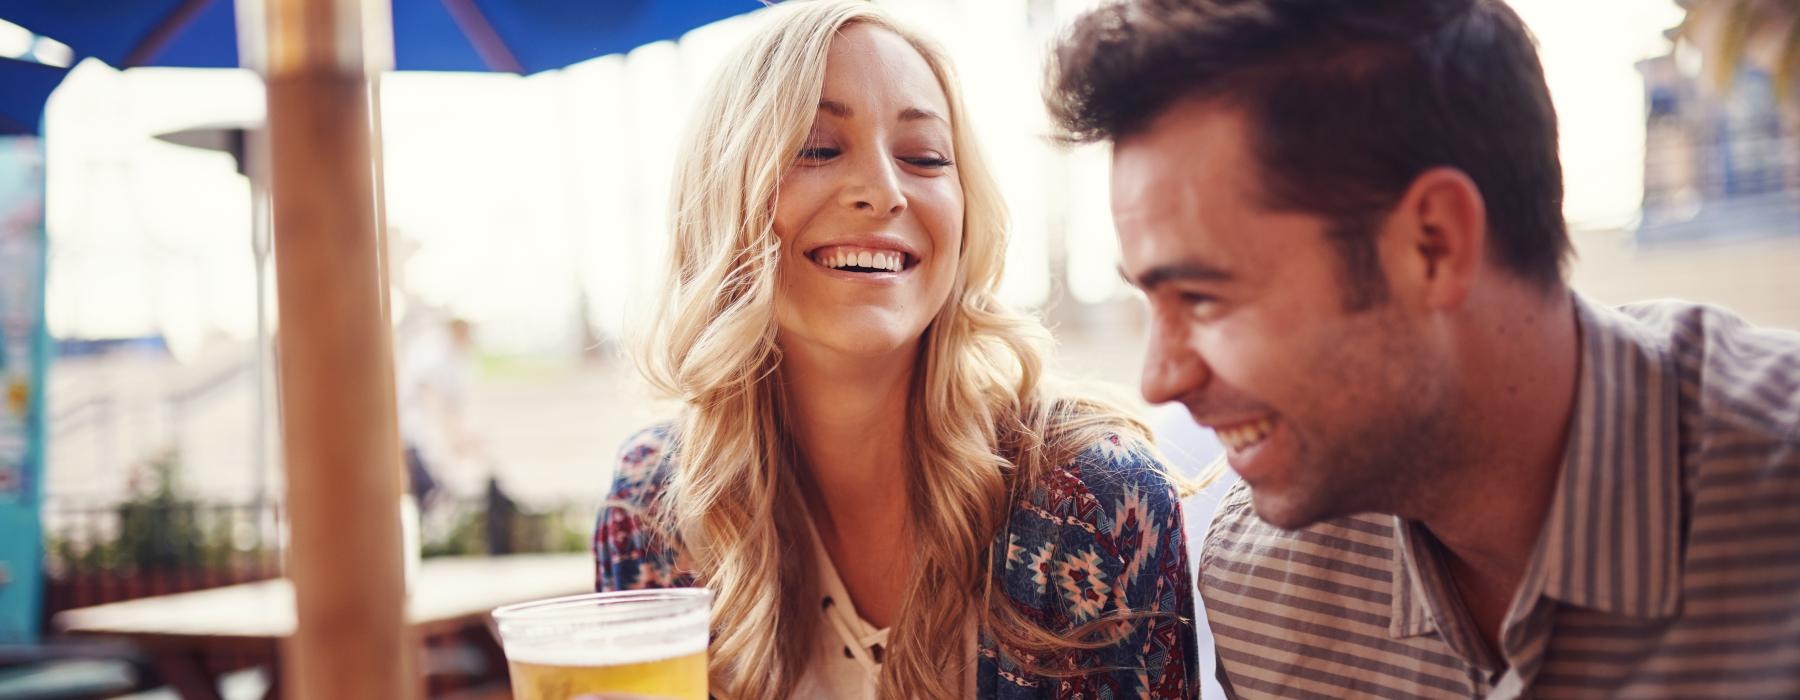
(1411,615)
(1611,540)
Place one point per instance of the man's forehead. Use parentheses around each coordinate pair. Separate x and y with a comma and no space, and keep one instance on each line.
(1203,137)
(1148,184)
(1181,195)
(1157,195)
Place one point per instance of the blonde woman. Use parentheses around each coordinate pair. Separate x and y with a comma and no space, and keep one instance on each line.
(868,472)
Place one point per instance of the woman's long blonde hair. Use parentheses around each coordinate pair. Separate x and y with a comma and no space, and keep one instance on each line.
(980,428)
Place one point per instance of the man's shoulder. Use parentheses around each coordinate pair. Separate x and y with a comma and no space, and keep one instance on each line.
(1321,601)
(1240,542)
(1734,375)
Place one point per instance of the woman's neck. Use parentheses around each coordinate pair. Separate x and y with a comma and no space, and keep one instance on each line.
(848,417)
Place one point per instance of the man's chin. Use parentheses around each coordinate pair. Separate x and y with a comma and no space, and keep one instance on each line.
(1287,511)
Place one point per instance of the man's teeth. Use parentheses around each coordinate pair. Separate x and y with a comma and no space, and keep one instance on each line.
(1245,435)
(889,262)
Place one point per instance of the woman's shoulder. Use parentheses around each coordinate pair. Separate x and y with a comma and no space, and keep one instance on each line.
(644,464)
(1115,467)
(1114,486)
(1101,534)
(629,549)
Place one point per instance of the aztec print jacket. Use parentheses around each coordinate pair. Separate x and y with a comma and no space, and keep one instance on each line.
(1100,535)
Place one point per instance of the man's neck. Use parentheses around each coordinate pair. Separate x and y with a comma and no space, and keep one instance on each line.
(1520,374)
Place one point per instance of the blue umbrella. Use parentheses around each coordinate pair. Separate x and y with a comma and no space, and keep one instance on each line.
(514,36)
(26,86)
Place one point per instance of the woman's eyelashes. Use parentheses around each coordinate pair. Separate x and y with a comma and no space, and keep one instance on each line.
(819,154)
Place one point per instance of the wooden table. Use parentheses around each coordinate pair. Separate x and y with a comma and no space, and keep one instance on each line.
(451,595)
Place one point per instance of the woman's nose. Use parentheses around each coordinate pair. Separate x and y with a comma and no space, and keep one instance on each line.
(875,187)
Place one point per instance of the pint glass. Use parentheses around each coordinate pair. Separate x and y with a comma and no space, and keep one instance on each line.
(624,645)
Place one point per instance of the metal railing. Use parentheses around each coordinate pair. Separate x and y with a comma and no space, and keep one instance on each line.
(101,553)
(157,544)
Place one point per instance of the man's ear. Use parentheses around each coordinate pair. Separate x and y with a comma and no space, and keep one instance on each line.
(1437,238)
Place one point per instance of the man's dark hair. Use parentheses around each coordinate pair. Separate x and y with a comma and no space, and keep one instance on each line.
(1348,101)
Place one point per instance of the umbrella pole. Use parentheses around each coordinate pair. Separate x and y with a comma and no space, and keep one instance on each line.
(259,250)
(335,354)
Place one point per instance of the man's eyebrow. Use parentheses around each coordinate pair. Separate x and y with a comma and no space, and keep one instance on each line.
(1194,271)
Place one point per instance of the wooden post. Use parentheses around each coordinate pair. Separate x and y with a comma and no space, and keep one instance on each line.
(320,59)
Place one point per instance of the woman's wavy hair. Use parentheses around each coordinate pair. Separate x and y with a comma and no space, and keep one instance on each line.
(980,429)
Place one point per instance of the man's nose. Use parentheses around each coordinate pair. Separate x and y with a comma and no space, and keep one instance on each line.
(1172,369)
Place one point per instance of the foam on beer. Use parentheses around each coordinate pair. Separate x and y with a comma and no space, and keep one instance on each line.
(615,643)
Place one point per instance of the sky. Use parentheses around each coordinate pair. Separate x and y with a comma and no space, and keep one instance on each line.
(509,195)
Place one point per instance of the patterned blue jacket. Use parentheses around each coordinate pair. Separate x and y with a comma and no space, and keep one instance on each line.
(1099,535)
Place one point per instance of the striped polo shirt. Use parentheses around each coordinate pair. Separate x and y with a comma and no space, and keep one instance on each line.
(1668,564)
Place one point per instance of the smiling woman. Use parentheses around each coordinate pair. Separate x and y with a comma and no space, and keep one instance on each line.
(874,179)
(868,470)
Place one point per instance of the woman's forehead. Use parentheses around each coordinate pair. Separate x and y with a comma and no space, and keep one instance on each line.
(871,68)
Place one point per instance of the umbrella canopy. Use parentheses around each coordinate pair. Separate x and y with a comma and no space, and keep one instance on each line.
(26,86)
(515,36)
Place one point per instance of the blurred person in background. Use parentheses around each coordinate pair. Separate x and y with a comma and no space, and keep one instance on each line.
(433,377)
(869,470)
(1460,478)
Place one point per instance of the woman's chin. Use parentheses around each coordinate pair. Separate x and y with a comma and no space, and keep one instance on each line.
(862,340)
(873,343)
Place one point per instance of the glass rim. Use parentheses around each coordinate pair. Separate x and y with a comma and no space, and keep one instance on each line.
(613,604)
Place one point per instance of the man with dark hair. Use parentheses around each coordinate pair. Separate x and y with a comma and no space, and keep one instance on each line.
(1461,479)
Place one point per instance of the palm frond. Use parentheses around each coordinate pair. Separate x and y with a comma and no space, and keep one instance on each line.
(1727,31)
(1787,68)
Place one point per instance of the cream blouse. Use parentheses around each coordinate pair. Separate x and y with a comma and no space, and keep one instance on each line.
(846,659)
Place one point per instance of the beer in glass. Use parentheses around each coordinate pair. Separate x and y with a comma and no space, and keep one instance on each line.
(623,645)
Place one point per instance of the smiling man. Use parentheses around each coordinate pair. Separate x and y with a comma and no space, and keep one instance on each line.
(1460,479)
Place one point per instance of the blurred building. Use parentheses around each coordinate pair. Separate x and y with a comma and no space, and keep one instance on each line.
(1717,164)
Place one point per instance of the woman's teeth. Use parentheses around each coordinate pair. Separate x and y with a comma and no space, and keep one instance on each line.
(863,261)
(1244,436)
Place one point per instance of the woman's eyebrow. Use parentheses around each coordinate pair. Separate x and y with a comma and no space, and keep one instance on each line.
(911,114)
